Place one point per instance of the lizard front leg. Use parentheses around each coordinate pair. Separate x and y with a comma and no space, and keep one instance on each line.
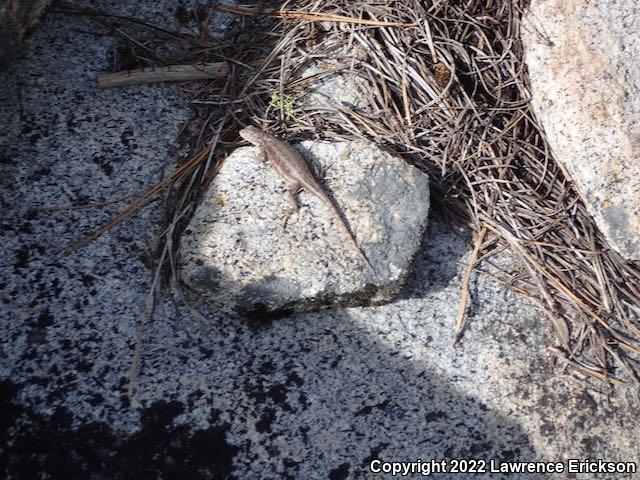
(262,156)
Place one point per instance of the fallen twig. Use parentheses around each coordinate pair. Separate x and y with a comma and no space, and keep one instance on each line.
(170,73)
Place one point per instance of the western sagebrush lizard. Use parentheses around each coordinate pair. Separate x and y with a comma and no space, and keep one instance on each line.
(295,171)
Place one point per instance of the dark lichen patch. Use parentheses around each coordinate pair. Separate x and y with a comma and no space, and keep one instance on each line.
(278,394)
(294,379)
(21,258)
(45,319)
(374,455)
(267,368)
(263,425)
(50,447)
(340,473)
(6,160)
(366,410)
(435,416)
(25,228)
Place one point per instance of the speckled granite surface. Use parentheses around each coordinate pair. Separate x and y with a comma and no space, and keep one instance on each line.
(583,60)
(313,396)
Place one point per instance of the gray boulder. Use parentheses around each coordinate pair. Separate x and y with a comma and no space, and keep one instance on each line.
(242,252)
(584,66)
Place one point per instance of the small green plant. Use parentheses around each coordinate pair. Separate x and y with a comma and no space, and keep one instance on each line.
(276,102)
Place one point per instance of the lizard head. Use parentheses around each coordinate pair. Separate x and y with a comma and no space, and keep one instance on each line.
(252,134)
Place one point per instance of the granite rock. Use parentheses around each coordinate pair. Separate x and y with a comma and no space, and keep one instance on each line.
(241,253)
(584,65)
(317,395)
(345,88)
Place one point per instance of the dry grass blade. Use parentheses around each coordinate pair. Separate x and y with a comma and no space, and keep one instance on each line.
(459,322)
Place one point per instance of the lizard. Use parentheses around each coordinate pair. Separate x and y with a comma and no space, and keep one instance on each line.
(297,174)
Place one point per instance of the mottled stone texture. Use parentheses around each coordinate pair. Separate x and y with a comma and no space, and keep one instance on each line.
(16,17)
(584,64)
(317,395)
(240,252)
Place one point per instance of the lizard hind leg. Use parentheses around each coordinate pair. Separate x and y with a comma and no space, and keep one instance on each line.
(292,191)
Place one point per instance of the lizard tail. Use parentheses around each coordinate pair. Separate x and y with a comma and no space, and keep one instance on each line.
(343,224)
(364,258)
